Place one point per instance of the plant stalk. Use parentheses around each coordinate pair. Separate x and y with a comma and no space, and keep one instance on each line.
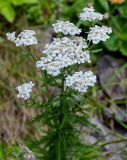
(61,99)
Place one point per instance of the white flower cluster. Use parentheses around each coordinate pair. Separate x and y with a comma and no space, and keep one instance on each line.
(11,36)
(98,34)
(63,52)
(24,90)
(25,38)
(66,28)
(89,14)
(81,81)
(65,46)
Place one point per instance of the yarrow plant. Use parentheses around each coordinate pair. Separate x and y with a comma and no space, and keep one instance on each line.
(61,68)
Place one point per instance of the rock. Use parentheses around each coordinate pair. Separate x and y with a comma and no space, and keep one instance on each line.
(111,80)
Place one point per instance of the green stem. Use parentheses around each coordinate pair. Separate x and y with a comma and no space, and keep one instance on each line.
(61,98)
(46,84)
(113,142)
(31,54)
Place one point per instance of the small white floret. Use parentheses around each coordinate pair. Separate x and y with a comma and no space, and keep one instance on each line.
(11,36)
(24,90)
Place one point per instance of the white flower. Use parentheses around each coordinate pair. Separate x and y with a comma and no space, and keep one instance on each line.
(66,28)
(89,14)
(25,38)
(63,52)
(73,48)
(81,81)
(53,67)
(98,34)
(65,45)
(11,36)
(24,90)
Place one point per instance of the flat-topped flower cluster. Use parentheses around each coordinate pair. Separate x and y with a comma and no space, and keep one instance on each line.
(98,34)
(71,49)
(63,52)
(25,38)
(24,90)
(66,28)
(81,81)
(89,14)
